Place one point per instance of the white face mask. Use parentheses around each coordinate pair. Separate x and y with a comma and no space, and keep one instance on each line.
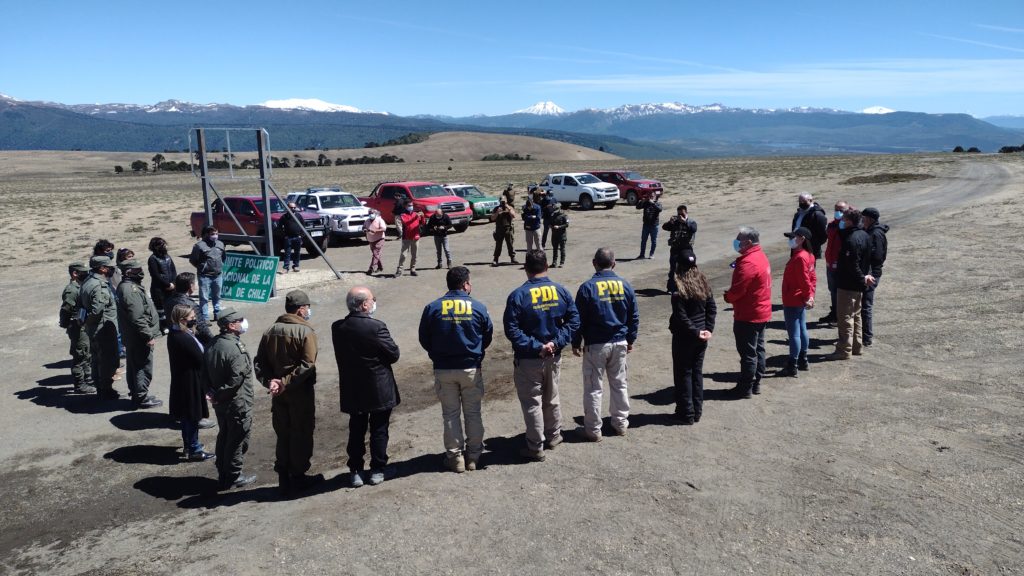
(373,308)
(793,243)
(244,327)
(308,314)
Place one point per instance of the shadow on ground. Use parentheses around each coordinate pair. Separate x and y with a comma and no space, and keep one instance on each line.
(145,454)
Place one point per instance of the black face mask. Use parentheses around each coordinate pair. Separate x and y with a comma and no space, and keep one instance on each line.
(804,206)
(191,323)
(109,273)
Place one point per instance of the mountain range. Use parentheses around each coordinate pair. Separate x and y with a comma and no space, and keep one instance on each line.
(651,130)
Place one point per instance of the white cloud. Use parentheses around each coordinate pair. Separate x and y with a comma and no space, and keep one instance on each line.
(1001,28)
(976,43)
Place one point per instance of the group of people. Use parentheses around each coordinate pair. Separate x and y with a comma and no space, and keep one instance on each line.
(541,318)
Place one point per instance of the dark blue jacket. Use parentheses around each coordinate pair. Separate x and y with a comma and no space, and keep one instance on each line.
(531,217)
(538,312)
(455,330)
(608,310)
(545,211)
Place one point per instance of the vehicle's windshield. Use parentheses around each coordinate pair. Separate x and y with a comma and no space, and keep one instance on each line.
(427,191)
(338,201)
(275,205)
(469,192)
(634,176)
(587,179)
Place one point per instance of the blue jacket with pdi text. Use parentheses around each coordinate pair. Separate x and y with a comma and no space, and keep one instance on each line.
(608,310)
(455,330)
(538,312)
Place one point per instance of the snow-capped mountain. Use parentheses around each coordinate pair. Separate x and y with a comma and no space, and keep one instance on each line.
(542,109)
(309,104)
(877,110)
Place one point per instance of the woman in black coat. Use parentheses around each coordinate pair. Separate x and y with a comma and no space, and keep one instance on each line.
(692,324)
(187,399)
(161,275)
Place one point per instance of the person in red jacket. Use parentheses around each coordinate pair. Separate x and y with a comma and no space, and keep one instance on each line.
(751,297)
(835,244)
(409,223)
(798,285)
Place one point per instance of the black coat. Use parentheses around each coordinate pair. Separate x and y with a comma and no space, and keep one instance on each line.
(365,351)
(162,272)
(187,398)
(879,247)
(854,260)
(691,315)
(816,221)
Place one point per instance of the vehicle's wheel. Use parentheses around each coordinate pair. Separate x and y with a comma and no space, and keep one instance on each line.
(460,228)
(609,205)
(631,198)
(323,242)
(586,202)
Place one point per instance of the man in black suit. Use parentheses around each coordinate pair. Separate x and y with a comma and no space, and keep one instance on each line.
(365,352)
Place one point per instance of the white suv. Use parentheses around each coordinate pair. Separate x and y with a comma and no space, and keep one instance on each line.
(346,215)
(580,188)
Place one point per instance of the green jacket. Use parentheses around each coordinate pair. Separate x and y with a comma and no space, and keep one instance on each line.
(139,320)
(69,305)
(97,299)
(287,351)
(227,373)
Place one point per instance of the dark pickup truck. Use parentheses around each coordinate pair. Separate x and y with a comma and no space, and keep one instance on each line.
(249,212)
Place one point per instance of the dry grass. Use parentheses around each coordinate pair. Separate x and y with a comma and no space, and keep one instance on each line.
(886,178)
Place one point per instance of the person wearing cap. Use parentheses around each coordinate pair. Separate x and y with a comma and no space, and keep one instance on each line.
(455,330)
(651,220)
(751,297)
(832,249)
(140,327)
(98,312)
(285,364)
(504,231)
(681,232)
(609,321)
(559,223)
(540,319)
(208,257)
(692,325)
(853,277)
(365,351)
(798,287)
(81,370)
(879,248)
(292,228)
(810,215)
(228,380)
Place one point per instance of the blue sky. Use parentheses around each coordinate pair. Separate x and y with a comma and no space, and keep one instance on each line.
(462,57)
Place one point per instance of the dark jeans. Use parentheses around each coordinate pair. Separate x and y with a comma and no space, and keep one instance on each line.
(377,423)
(233,427)
(558,247)
(867,305)
(648,231)
(441,244)
(688,375)
(190,436)
(673,259)
(544,236)
(750,345)
(830,276)
(292,251)
(293,414)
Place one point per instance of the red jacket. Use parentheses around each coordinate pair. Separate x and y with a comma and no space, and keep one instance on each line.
(835,244)
(411,222)
(799,280)
(751,290)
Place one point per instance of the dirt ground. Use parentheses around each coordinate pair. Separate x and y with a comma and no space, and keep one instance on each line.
(908,460)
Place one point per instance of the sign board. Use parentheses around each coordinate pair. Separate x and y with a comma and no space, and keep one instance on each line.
(248,278)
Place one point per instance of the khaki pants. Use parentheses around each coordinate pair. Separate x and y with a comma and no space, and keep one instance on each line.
(599,361)
(536,383)
(848,303)
(410,247)
(461,392)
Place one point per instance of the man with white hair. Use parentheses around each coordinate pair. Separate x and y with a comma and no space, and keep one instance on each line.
(751,297)
(811,215)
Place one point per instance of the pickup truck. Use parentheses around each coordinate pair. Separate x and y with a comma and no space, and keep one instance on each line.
(426,197)
(632,186)
(249,212)
(580,188)
(345,213)
(481,203)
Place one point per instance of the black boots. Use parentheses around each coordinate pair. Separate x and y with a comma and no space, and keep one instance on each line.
(789,371)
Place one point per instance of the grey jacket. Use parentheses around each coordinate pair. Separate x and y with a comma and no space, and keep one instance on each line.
(208,258)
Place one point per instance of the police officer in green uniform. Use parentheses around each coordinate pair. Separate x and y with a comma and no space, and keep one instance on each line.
(99,320)
(140,327)
(228,379)
(81,363)
(504,231)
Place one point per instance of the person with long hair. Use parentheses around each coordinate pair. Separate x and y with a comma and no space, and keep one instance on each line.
(798,284)
(187,398)
(692,325)
(161,276)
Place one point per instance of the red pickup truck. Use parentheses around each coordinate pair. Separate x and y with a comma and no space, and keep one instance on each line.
(632,186)
(426,197)
(249,212)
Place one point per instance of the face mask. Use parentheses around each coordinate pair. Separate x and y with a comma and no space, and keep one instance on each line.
(792,244)
(408,209)
(138,276)
(842,224)
(109,273)
(804,206)
(244,327)
(308,314)
(373,308)
(213,237)
(191,323)
(736,244)
(838,214)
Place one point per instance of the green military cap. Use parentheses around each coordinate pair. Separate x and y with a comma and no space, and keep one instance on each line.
(97,261)
(229,315)
(77,267)
(296,298)
(129,264)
